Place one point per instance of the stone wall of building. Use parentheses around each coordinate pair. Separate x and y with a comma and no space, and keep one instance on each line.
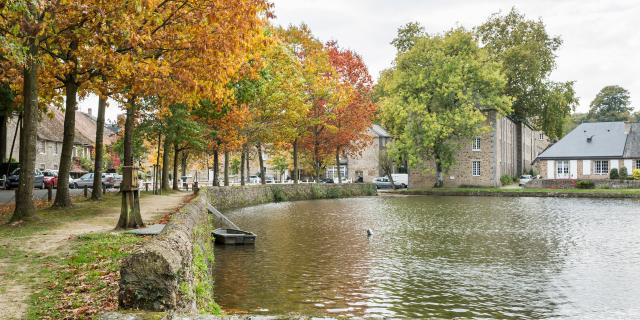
(366,164)
(582,169)
(497,156)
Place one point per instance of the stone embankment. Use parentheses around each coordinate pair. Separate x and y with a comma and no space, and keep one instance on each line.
(173,271)
(571,183)
(559,193)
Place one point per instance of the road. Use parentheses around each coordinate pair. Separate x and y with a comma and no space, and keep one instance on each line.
(9,196)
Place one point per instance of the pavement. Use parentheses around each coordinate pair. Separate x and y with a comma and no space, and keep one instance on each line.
(9,196)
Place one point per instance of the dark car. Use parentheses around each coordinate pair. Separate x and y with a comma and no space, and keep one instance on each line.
(14,179)
(327,180)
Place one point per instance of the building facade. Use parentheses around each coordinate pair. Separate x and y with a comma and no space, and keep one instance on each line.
(591,151)
(49,138)
(508,148)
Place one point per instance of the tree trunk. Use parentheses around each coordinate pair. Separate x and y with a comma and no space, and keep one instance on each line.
(226,168)
(25,209)
(296,172)
(130,216)
(263,178)
(338,164)
(96,193)
(242,160)
(216,167)
(183,163)
(3,137)
(316,159)
(246,158)
(165,164)
(63,200)
(176,153)
(439,177)
(157,177)
(128,133)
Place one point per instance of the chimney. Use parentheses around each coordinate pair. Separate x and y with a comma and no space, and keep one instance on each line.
(89,112)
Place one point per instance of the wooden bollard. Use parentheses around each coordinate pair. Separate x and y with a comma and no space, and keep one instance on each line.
(86,191)
(49,193)
(104,189)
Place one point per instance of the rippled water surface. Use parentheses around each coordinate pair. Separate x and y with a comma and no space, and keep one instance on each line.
(436,257)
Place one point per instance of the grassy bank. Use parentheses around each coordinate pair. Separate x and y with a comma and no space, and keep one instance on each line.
(577,193)
(64,264)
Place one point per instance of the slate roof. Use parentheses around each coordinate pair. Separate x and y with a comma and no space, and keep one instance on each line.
(51,128)
(380,131)
(632,147)
(590,141)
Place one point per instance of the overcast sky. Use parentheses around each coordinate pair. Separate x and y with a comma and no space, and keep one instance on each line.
(601,38)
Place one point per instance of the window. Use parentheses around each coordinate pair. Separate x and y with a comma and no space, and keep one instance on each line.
(601,167)
(333,174)
(55,167)
(562,168)
(475,168)
(55,148)
(541,136)
(41,166)
(41,146)
(637,164)
(476,144)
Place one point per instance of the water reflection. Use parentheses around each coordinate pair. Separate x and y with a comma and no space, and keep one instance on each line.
(435,257)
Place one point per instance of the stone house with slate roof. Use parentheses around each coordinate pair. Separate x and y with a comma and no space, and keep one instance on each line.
(509,148)
(49,140)
(591,150)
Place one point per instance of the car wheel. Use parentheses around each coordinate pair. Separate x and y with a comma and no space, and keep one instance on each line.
(75,185)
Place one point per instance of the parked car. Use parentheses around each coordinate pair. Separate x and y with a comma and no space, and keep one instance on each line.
(525,178)
(109,180)
(270,179)
(326,180)
(50,178)
(254,179)
(401,178)
(14,179)
(385,183)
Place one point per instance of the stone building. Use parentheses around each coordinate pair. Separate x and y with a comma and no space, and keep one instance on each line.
(508,148)
(366,165)
(591,151)
(49,140)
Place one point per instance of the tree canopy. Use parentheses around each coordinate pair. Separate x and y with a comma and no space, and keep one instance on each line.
(612,103)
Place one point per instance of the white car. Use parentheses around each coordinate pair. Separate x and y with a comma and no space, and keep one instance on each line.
(525,178)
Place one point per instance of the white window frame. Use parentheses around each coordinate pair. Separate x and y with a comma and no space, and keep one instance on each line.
(541,136)
(637,164)
(331,172)
(475,145)
(476,168)
(599,169)
(42,146)
(563,169)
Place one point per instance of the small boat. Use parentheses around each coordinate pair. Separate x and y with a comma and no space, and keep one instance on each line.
(233,236)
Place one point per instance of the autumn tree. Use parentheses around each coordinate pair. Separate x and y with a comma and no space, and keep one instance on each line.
(351,119)
(435,95)
(24,26)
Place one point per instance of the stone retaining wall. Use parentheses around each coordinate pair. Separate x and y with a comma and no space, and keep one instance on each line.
(173,271)
(571,183)
(536,194)
(160,275)
(224,198)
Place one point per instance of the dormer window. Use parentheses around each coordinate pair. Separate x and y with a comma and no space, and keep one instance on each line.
(541,136)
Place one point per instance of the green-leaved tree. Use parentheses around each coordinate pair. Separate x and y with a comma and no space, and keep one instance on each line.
(613,103)
(435,95)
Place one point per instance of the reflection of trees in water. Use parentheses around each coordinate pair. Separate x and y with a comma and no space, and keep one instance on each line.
(295,264)
(429,257)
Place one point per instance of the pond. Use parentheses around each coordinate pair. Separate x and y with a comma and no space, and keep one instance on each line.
(436,257)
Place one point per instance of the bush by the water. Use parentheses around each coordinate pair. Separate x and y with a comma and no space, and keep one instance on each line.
(623,173)
(506,180)
(278,194)
(585,184)
(613,174)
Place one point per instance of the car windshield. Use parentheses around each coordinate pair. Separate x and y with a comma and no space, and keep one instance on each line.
(525,177)
(48,174)
(86,176)
(15,171)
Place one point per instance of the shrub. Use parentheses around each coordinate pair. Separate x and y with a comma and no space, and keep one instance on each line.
(636,174)
(623,173)
(506,180)
(278,194)
(585,184)
(613,174)
(334,193)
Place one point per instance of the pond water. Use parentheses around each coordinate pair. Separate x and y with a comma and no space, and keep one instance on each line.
(436,257)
